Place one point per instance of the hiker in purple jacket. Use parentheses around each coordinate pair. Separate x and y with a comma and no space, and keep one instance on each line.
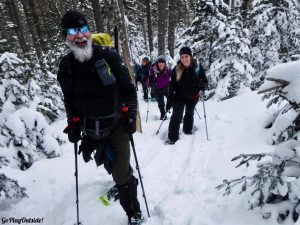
(160,76)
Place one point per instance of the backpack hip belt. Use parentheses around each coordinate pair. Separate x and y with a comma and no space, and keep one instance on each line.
(96,129)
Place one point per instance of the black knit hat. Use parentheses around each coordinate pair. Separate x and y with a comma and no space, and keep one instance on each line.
(161,59)
(185,50)
(73,19)
(146,59)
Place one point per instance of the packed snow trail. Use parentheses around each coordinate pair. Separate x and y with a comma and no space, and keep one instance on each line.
(179,180)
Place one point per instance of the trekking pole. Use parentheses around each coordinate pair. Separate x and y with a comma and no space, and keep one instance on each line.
(165,117)
(138,169)
(76,176)
(204,114)
(116,37)
(147,110)
(198,114)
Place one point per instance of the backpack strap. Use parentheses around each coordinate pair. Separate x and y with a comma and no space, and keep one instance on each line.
(197,70)
(101,52)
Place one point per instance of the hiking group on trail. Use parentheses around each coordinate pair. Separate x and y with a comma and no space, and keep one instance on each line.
(101,104)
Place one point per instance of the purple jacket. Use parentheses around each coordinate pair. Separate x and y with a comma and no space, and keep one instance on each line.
(161,79)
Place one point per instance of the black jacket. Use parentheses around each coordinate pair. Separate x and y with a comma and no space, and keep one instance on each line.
(189,86)
(84,93)
(145,72)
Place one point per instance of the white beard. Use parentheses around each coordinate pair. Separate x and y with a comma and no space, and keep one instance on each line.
(81,54)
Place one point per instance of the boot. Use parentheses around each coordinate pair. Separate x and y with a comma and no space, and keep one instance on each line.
(170,142)
(163,117)
(137,219)
(162,113)
(129,201)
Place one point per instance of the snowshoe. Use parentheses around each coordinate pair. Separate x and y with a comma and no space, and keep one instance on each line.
(170,142)
(110,196)
(113,193)
(137,219)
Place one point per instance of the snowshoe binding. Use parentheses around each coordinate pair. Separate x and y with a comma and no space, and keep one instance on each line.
(137,219)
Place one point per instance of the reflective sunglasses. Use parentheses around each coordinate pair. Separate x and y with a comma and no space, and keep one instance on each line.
(74,31)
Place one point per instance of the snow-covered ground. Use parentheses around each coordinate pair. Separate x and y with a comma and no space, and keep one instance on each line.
(179,180)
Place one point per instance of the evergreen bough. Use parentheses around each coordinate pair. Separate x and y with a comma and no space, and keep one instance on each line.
(275,186)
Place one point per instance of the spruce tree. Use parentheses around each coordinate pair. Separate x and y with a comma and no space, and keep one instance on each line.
(135,13)
(10,189)
(274,34)
(204,30)
(25,133)
(275,185)
(231,69)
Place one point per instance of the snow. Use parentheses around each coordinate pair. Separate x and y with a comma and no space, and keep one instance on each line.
(288,72)
(282,122)
(11,58)
(179,180)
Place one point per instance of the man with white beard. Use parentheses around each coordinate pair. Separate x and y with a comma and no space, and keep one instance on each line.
(101,104)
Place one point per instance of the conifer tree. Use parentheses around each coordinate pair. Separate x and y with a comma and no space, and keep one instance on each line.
(275,185)
(10,189)
(25,133)
(204,30)
(231,69)
(135,12)
(274,34)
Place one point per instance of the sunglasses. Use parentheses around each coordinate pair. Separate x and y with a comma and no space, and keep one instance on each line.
(74,31)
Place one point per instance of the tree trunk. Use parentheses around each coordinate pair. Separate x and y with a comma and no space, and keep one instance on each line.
(192,6)
(246,4)
(97,16)
(31,28)
(145,35)
(19,28)
(106,14)
(149,26)
(161,26)
(109,15)
(37,19)
(120,20)
(231,6)
(4,35)
(172,25)
(46,23)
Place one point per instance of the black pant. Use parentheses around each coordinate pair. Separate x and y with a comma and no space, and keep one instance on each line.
(128,197)
(160,94)
(145,90)
(177,115)
(152,91)
(137,80)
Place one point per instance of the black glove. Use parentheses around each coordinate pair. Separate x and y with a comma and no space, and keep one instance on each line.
(73,130)
(168,106)
(87,147)
(130,126)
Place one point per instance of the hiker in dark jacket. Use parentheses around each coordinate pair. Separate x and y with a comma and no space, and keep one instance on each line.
(145,76)
(138,74)
(96,85)
(187,80)
(160,76)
